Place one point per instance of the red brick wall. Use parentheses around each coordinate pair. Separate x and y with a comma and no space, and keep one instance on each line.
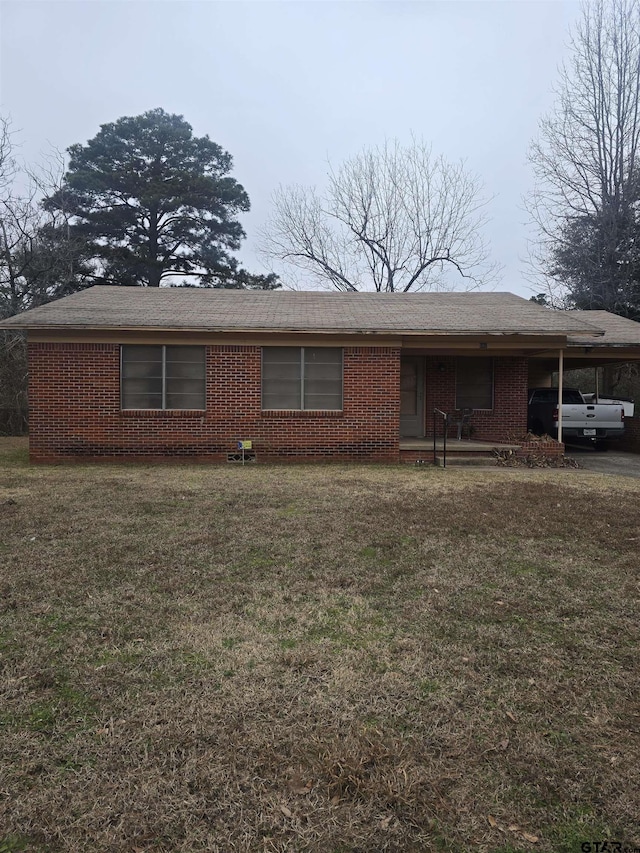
(631,439)
(537,448)
(75,410)
(508,417)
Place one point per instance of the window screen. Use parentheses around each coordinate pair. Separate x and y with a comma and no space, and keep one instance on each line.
(474,383)
(302,378)
(408,387)
(163,377)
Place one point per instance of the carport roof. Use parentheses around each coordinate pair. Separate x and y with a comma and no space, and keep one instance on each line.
(618,331)
(215,310)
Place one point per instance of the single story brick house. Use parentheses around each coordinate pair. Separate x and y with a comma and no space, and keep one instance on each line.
(187,373)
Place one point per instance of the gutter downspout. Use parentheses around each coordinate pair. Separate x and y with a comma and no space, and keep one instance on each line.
(560,392)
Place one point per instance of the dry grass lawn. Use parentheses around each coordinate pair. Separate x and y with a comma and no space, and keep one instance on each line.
(332,659)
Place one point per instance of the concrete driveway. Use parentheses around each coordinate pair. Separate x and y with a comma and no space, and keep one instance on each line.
(605,462)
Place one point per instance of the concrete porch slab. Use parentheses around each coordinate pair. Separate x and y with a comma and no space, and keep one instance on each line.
(455,446)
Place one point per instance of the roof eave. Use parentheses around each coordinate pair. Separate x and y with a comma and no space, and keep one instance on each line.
(262,330)
(590,344)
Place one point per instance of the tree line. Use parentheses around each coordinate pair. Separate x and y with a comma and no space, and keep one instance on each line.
(147,203)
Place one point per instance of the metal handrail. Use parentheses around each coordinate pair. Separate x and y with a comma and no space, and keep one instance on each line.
(445,419)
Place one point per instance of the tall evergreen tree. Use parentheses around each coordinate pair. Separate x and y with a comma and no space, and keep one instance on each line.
(156,205)
(598,259)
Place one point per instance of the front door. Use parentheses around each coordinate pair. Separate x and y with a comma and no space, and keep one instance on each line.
(412,397)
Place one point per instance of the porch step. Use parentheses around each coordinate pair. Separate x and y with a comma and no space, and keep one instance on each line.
(466,461)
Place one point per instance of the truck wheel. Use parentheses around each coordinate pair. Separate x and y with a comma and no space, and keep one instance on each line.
(537,428)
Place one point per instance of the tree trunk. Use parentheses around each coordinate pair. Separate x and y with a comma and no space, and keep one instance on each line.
(155,274)
(154,271)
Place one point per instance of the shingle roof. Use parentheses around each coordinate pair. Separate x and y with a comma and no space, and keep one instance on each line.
(111,307)
(618,331)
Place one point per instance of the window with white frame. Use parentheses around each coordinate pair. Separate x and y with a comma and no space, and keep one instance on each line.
(162,377)
(307,378)
(474,383)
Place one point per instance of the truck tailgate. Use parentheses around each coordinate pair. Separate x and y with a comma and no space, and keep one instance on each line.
(594,416)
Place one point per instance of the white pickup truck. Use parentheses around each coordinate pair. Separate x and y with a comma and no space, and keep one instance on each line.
(580,420)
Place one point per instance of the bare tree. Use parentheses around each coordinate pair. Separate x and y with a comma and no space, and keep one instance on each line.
(13,361)
(585,161)
(392,219)
(19,221)
(39,261)
(13,384)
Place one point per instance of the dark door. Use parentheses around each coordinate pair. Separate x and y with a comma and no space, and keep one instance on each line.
(412,397)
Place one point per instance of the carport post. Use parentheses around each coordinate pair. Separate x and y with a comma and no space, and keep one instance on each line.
(560,394)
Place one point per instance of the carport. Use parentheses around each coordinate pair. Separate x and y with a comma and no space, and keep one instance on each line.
(620,344)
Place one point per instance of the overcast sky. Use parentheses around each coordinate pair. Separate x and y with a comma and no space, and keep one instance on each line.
(287,86)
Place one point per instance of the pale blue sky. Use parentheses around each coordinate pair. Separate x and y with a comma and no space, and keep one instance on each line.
(285,86)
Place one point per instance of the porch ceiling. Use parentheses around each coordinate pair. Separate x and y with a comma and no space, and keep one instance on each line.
(575,357)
